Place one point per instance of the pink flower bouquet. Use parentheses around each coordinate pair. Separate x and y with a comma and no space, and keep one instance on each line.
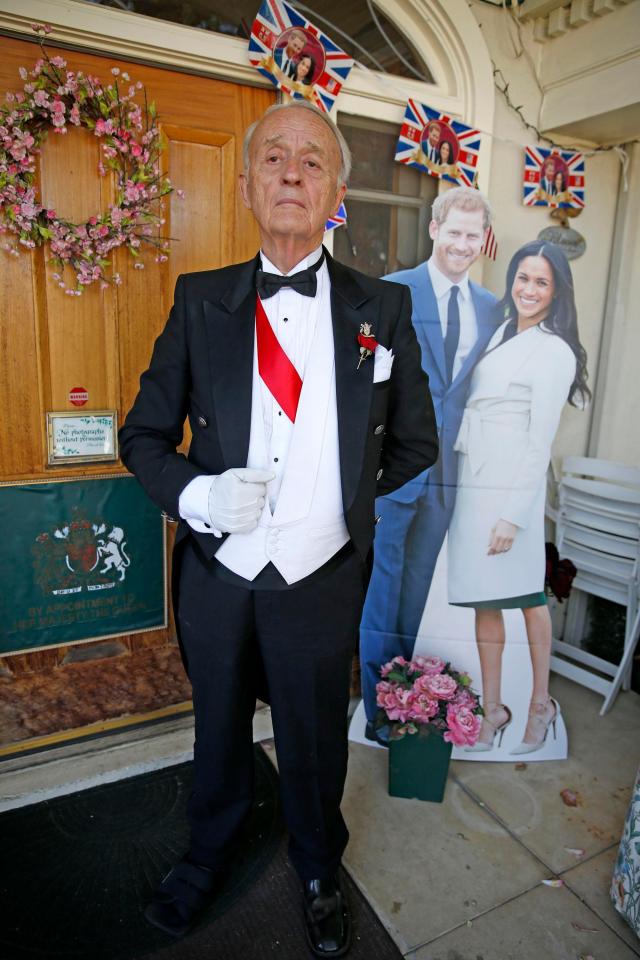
(426,695)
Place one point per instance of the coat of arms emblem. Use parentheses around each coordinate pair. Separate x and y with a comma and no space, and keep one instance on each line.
(80,554)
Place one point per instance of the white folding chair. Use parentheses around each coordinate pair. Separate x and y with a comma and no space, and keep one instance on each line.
(598,528)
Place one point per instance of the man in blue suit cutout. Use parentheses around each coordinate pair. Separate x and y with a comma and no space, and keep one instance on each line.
(453,318)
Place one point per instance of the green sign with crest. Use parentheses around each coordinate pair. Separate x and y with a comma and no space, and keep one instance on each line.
(80,560)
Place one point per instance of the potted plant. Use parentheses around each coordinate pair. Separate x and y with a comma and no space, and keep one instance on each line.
(428,706)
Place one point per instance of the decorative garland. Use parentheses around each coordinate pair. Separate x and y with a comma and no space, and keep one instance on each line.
(53,98)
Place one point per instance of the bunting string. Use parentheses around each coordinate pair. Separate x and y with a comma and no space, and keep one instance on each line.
(386,81)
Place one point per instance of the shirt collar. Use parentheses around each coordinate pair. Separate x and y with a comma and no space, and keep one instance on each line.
(442,285)
(307,261)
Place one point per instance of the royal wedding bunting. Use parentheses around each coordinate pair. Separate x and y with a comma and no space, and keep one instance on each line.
(553,178)
(443,147)
(338,219)
(296,56)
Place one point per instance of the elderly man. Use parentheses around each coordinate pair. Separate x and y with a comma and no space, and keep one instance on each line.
(288,56)
(453,318)
(303,386)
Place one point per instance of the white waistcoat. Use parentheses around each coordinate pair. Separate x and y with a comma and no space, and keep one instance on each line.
(307,526)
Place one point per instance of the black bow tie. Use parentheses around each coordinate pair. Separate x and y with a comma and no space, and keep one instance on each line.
(304,282)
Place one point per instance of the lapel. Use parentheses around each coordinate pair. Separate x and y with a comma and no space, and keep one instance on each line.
(483,311)
(351,306)
(426,319)
(501,364)
(230,326)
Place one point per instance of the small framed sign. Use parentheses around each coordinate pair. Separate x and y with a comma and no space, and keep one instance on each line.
(82,437)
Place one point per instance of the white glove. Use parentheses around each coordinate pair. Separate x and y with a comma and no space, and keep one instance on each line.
(236,499)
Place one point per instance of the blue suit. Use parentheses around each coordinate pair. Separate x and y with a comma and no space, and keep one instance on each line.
(278,56)
(415,518)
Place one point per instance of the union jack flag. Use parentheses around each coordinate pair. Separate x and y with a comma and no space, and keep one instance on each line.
(490,245)
(327,66)
(424,135)
(553,178)
(338,219)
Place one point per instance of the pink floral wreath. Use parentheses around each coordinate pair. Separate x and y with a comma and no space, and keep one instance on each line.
(54,97)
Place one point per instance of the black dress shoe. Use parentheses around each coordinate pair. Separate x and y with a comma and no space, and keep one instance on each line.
(328,923)
(381,735)
(182,898)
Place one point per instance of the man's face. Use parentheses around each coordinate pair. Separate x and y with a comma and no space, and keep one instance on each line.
(292,183)
(457,241)
(434,135)
(295,44)
(549,169)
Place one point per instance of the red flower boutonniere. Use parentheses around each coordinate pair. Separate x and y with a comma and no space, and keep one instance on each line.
(367,343)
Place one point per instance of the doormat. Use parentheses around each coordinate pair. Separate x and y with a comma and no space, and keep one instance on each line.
(78,871)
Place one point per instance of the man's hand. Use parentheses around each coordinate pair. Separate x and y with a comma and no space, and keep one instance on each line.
(502,537)
(236,499)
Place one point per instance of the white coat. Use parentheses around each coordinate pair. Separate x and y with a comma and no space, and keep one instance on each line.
(516,396)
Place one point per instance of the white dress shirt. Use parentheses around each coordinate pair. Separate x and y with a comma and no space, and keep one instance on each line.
(468,322)
(293,318)
(285,65)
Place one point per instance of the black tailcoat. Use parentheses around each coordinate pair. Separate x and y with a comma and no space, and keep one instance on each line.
(301,641)
(202,367)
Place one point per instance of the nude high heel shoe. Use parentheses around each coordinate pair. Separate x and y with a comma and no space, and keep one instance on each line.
(541,723)
(481,746)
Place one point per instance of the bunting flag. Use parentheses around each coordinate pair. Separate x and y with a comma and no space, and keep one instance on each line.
(553,178)
(338,219)
(444,148)
(296,56)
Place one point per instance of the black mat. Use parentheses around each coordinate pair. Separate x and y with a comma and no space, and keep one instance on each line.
(77,871)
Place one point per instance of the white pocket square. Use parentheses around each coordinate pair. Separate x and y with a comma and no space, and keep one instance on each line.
(383,362)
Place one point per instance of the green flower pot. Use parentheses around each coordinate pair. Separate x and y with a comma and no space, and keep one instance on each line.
(418,766)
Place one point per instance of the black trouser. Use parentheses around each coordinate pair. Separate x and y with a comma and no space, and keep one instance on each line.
(304,639)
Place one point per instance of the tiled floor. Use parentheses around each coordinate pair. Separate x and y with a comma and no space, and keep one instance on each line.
(461,880)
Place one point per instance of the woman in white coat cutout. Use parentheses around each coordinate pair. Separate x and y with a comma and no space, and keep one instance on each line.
(532,366)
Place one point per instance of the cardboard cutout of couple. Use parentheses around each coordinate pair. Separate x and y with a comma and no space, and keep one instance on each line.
(459,553)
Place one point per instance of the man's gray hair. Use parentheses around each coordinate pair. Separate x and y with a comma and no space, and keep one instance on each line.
(343,146)
(462,198)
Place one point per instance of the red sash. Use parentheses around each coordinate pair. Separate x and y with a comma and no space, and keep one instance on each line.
(277,371)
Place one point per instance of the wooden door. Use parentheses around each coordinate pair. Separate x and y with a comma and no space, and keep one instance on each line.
(102,340)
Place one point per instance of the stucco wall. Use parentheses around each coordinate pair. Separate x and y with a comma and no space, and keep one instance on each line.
(616,431)
(515,224)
